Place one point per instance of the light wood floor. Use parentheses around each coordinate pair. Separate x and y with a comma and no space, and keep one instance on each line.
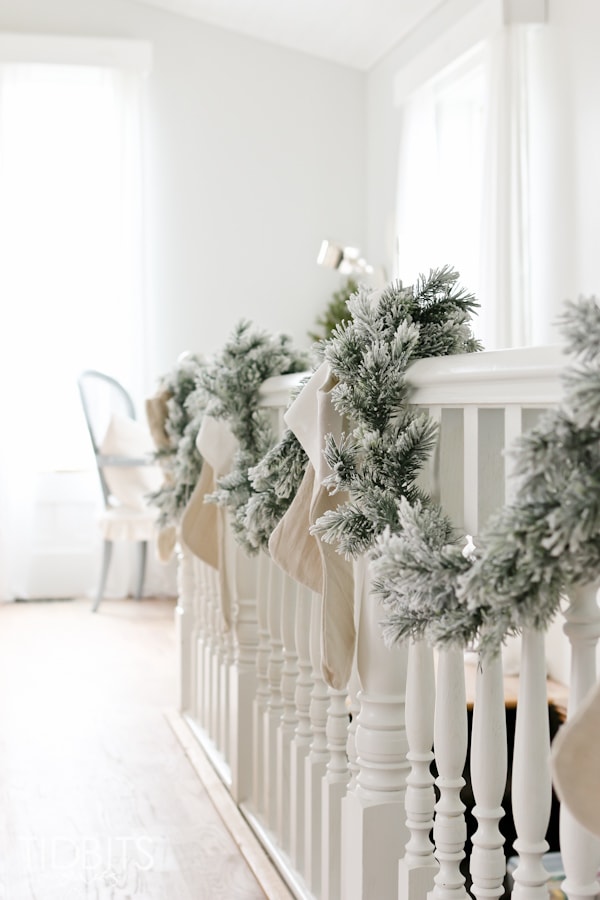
(98,799)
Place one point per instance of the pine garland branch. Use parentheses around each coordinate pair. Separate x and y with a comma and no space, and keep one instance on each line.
(232,386)
(181,461)
(533,549)
(381,457)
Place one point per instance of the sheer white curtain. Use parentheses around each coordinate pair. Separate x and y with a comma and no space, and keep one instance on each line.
(506,252)
(440,175)
(472,172)
(70,273)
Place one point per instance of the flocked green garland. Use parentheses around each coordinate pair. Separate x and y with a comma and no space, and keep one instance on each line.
(180,461)
(275,482)
(378,461)
(547,539)
(232,386)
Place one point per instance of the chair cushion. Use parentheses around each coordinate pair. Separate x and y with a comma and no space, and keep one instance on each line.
(130,485)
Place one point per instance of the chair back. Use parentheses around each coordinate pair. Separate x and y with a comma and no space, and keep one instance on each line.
(101,397)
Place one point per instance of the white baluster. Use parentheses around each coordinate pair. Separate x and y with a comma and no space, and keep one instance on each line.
(488,778)
(373,828)
(300,745)
(316,761)
(184,623)
(289,718)
(261,696)
(215,662)
(334,787)
(209,647)
(274,710)
(580,849)
(354,709)
(216,677)
(242,679)
(450,741)
(201,593)
(419,866)
(531,782)
(228,652)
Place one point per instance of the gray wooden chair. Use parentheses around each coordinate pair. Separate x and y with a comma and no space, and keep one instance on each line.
(127,472)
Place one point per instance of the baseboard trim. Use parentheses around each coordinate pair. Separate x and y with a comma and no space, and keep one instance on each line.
(248,844)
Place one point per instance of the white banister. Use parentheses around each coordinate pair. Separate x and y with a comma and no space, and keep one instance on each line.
(338,785)
(450,741)
(242,677)
(316,762)
(184,623)
(531,782)
(419,866)
(259,706)
(581,849)
(353,710)
(488,778)
(289,716)
(201,593)
(212,606)
(274,710)
(334,787)
(373,829)
(301,740)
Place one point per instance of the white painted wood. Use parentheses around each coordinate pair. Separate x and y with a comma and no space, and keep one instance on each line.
(471,469)
(216,676)
(227,657)
(200,589)
(528,375)
(488,778)
(196,631)
(353,709)
(297,727)
(334,786)
(212,606)
(373,829)
(419,866)
(274,710)
(316,762)
(184,623)
(301,740)
(259,706)
(580,850)
(289,718)
(242,679)
(513,426)
(450,741)
(531,782)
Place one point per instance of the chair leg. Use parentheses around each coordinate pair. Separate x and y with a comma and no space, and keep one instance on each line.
(143,552)
(106,555)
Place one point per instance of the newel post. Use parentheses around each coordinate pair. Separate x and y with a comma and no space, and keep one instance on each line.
(373,812)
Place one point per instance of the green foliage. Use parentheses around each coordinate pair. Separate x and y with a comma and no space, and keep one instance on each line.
(275,482)
(181,461)
(378,460)
(336,311)
(533,549)
(232,386)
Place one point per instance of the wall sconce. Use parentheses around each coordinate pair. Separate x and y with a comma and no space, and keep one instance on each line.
(346,260)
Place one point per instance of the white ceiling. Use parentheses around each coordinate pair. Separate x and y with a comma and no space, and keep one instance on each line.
(354,33)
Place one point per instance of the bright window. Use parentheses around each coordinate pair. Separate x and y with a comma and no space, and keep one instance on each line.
(440,181)
(70,247)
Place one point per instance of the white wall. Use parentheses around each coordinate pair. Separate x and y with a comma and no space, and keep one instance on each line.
(254,154)
(567,180)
